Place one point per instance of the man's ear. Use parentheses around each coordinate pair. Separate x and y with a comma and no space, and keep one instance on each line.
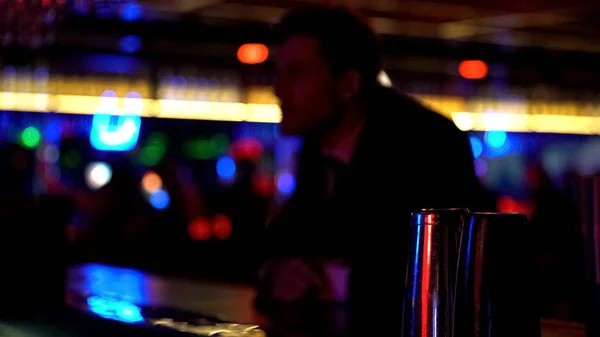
(350,84)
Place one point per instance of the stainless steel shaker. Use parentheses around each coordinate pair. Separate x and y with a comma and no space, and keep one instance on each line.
(431,272)
(495,284)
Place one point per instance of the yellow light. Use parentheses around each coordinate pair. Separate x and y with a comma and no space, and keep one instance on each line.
(581,125)
(88,105)
(270,113)
(177,109)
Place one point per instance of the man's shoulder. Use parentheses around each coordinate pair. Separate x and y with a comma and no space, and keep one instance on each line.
(402,112)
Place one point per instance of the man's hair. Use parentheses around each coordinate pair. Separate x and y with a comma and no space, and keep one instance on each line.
(346,40)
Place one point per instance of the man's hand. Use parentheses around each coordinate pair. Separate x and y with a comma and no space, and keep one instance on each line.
(290,279)
(296,296)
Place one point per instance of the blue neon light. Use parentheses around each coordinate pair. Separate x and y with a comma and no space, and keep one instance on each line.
(122,135)
(115,309)
(112,282)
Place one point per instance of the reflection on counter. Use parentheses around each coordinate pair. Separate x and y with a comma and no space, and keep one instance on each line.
(228,329)
(131,296)
(115,309)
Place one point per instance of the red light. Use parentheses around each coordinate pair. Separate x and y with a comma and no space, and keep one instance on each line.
(253,53)
(199,229)
(248,148)
(222,227)
(263,184)
(507,204)
(473,69)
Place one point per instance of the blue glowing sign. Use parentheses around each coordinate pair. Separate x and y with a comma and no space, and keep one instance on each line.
(115,309)
(122,135)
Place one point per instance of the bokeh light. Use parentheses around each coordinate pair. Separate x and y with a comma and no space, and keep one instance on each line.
(131,11)
(226,168)
(247,148)
(253,53)
(498,143)
(31,137)
(160,199)
(154,149)
(222,226)
(151,182)
(481,167)
(286,183)
(203,149)
(51,154)
(97,175)
(200,229)
(384,79)
(473,69)
(263,184)
(476,146)
(130,44)
(495,139)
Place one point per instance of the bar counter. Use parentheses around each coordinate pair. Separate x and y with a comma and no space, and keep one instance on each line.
(180,299)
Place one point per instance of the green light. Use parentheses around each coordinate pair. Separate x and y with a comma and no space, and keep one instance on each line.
(151,155)
(71,160)
(203,149)
(31,137)
(154,150)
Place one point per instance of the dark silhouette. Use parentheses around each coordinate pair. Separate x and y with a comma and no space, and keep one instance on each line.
(370,157)
(121,217)
(554,221)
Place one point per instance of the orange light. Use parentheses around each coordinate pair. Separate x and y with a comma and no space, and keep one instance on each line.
(151,182)
(222,227)
(199,229)
(473,69)
(253,53)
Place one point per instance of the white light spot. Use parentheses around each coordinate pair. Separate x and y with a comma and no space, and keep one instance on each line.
(97,175)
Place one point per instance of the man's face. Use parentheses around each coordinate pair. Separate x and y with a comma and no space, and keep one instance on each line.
(305,86)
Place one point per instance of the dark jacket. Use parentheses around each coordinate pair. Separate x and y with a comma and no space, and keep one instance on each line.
(407,158)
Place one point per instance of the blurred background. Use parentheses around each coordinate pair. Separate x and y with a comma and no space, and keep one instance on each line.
(146,131)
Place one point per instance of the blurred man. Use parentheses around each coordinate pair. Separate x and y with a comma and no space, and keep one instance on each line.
(370,157)
(555,221)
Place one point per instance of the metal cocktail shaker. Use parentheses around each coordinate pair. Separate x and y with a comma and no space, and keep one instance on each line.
(495,284)
(431,272)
